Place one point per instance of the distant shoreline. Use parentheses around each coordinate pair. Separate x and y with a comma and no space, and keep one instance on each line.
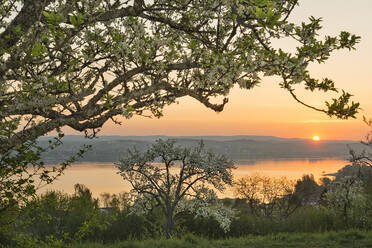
(237,162)
(199,137)
(247,149)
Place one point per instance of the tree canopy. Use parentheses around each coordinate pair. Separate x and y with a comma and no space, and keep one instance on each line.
(80,63)
(178,180)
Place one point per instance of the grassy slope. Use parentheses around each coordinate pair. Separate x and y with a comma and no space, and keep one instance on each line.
(332,239)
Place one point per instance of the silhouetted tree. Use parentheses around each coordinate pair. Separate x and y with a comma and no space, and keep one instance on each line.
(307,191)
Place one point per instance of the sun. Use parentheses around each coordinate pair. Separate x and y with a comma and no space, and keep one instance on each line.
(316,138)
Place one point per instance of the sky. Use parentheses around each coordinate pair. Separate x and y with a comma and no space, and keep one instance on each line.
(269,110)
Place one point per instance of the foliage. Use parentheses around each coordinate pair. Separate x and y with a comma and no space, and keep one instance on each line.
(22,172)
(115,201)
(350,193)
(125,226)
(55,217)
(80,63)
(7,228)
(307,191)
(348,201)
(182,182)
(359,171)
(340,203)
(267,196)
(122,224)
(203,227)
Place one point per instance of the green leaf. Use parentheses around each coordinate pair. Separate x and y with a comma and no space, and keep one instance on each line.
(37,50)
(46,14)
(17,29)
(77,20)
(130,108)
(73,20)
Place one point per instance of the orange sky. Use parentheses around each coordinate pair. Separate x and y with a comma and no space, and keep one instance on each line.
(267,109)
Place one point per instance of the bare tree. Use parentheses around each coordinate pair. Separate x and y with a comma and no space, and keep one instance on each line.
(267,196)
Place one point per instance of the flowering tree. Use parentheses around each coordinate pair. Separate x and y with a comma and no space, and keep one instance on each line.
(80,63)
(347,198)
(183,181)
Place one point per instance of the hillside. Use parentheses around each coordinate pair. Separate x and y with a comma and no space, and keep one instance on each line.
(111,148)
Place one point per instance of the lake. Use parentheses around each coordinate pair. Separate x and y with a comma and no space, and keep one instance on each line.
(103,177)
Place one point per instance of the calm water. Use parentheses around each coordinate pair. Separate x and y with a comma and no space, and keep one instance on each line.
(100,178)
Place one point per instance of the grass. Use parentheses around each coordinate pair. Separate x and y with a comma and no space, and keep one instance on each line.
(351,238)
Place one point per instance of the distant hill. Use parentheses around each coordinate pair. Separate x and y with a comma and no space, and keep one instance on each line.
(112,148)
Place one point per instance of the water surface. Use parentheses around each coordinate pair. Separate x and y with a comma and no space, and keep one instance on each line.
(104,177)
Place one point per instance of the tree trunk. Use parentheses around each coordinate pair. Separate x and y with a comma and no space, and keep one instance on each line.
(169,226)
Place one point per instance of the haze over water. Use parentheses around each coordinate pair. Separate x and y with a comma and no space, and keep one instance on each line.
(104,177)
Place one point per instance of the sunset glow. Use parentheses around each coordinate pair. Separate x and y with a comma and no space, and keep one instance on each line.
(316,138)
(268,110)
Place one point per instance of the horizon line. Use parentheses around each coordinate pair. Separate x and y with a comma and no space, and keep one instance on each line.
(237,135)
